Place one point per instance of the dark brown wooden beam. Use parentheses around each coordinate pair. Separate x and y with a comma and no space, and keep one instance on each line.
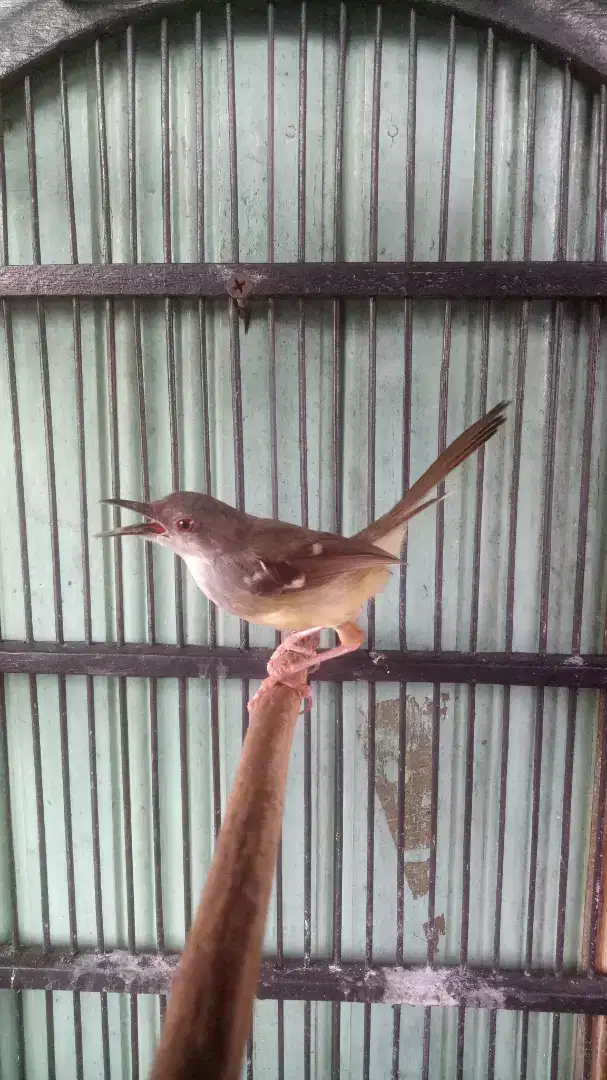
(389,665)
(294,980)
(32,31)
(498,280)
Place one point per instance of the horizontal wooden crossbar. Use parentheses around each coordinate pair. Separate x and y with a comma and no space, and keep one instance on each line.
(294,980)
(497,280)
(390,665)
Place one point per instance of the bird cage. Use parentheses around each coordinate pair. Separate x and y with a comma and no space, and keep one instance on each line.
(283,253)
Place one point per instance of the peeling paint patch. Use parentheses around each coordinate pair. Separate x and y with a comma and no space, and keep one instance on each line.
(418,877)
(433,930)
(417,777)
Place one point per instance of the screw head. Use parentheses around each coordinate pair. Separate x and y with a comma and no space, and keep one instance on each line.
(239,287)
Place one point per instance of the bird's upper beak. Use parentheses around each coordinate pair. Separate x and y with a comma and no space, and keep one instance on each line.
(149,528)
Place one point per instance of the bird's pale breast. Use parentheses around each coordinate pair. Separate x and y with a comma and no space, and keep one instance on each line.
(337,602)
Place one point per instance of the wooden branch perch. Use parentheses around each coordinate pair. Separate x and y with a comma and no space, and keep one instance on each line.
(210,1010)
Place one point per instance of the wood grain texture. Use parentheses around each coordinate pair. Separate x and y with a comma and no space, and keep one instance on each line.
(497,280)
(210,1010)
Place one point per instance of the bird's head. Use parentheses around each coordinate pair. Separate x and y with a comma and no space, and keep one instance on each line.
(187,522)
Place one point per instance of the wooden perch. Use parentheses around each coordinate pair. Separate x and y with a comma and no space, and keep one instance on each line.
(210,1010)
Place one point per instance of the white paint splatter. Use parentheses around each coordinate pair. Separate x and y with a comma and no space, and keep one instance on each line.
(425,986)
(416,986)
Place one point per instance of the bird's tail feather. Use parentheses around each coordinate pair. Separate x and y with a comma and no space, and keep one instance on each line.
(388,531)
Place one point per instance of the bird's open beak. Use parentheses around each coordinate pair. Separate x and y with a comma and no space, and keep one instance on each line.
(149,528)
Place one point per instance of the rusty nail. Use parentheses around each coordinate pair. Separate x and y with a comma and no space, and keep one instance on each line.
(239,288)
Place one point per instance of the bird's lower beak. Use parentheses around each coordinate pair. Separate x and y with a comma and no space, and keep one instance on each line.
(145,528)
(148,529)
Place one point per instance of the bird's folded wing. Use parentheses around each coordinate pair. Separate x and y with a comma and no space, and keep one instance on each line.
(282,557)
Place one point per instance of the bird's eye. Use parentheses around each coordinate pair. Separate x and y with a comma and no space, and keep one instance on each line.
(185,524)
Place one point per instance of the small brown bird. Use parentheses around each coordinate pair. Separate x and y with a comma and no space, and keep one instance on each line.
(287,576)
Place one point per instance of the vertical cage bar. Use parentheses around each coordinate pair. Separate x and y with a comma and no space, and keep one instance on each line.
(594,1041)
(4,749)
(578,588)
(304,494)
(204,383)
(594,1046)
(371,443)
(8,817)
(337,499)
(594,1029)
(522,344)
(145,483)
(110,332)
(175,468)
(165,122)
(53,518)
(27,602)
(271,83)
(593,346)
(6,786)
(233,150)
(440,517)
(406,470)
(76,325)
(545,544)
(578,599)
(169,327)
(234,330)
(235,365)
(86,574)
(52,496)
(271,215)
(595,326)
(29,632)
(56,576)
(134,243)
(476,552)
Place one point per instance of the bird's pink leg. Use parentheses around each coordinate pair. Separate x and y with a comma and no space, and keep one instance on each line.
(351,638)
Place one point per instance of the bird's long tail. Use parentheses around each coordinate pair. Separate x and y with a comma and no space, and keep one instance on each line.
(388,531)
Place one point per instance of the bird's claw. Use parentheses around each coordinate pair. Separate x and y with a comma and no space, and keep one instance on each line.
(279,671)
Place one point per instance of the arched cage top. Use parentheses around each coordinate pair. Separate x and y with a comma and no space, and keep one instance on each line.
(36,30)
(371,136)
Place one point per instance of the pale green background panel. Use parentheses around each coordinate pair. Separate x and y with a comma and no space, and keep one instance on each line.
(465,237)
(443,1045)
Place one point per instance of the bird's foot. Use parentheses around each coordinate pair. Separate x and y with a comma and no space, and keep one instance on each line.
(281,663)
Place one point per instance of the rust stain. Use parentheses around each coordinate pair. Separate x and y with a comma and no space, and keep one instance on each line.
(418,777)
(433,930)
